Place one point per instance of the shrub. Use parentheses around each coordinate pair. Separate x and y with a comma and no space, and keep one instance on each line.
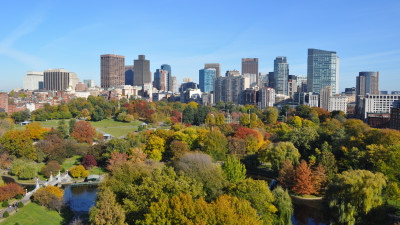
(4,204)
(20,205)
(78,171)
(89,161)
(6,214)
(52,167)
(19,196)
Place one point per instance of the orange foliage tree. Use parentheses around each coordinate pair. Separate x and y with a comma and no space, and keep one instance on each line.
(304,180)
(10,190)
(36,131)
(83,132)
(45,195)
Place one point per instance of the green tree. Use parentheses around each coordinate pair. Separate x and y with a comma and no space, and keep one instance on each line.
(327,160)
(283,203)
(234,170)
(352,194)
(220,119)
(277,153)
(107,211)
(63,128)
(28,171)
(215,144)
(270,115)
(304,139)
(71,125)
(188,115)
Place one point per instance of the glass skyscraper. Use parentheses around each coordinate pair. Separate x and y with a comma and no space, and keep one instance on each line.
(367,83)
(206,78)
(168,85)
(322,70)
(281,73)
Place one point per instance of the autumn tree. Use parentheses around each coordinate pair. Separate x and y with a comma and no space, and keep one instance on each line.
(220,119)
(53,148)
(89,161)
(287,174)
(116,159)
(303,183)
(83,132)
(35,130)
(234,170)
(277,153)
(283,203)
(304,139)
(319,178)
(52,167)
(236,146)
(46,195)
(107,211)
(176,150)
(215,144)
(352,194)
(10,190)
(210,120)
(78,171)
(270,115)
(19,144)
(5,160)
(155,146)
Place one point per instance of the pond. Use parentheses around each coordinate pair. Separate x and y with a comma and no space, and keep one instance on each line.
(306,215)
(80,197)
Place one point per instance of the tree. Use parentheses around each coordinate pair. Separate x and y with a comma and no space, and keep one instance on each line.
(107,211)
(270,115)
(319,178)
(328,162)
(46,195)
(234,170)
(19,144)
(35,130)
(287,175)
(85,113)
(52,167)
(283,203)
(277,153)
(155,147)
(352,194)
(200,167)
(5,160)
(215,144)
(176,150)
(385,160)
(188,115)
(53,147)
(6,124)
(116,159)
(183,209)
(220,119)
(210,120)
(89,161)
(78,171)
(10,190)
(303,183)
(303,139)
(63,128)
(83,132)
(236,146)
(303,111)
(71,125)
(98,114)
(258,194)
(20,116)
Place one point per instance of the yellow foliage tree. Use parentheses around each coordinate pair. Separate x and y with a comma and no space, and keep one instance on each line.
(79,171)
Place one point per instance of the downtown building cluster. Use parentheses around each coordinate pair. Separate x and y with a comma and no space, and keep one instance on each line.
(319,88)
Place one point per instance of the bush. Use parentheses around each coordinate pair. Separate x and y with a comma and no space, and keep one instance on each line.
(52,167)
(19,196)
(4,204)
(78,171)
(6,214)
(20,205)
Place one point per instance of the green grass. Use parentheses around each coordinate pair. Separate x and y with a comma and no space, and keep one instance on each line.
(118,131)
(33,214)
(98,171)
(112,123)
(70,162)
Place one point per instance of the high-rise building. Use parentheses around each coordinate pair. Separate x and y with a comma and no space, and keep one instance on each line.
(271,79)
(230,88)
(168,84)
(174,84)
(32,80)
(281,74)
(250,65)
(378,103)
(395,116)
(89,83)
(4,102)
(367,83)
(266,97)
(292,85)
(56,79)
(160,80)
(141,71)
(253,79)
(338,103)
(232,73)
(129,75)
(112,70)
(206,79)
(324,96)
(301,83)
(322,70)
(73,80)
(215,66)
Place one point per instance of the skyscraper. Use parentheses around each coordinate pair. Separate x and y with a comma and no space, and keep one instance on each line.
(174,84)
(281,74)
(112,70)
(32,80)
(216,66)
(167,68)
(230,88)
(326,93)
(160,80)
(367,83)
(141,71)
(56,79)
(206,79)
(250,66)
(322,70)
(129,75)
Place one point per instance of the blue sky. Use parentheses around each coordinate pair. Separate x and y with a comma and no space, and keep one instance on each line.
(37,35)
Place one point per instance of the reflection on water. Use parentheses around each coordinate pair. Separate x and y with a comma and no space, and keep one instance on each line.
(306,215)
(6,179)
(80,198)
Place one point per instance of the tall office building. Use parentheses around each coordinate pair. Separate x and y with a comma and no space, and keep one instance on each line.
(281,74)
(250,66)
(141,71)
(266,97)
(322,70)
(215,66)
(129,75)
(367,83)
(4,102)
(167,68)
(112,70)
(160,80)
(232,73)
(206,79)
(174,84)
(292,85)
(56,79)
(230,88)
(324,96)
(89,83)
(32,80)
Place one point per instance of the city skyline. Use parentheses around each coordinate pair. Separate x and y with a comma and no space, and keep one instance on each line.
(367,44)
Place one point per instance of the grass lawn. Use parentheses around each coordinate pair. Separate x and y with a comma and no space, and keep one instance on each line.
(33,214)
(97,171)
(70,162)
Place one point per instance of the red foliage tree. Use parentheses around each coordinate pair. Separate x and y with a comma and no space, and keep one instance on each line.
(89,161)
(116,158)
(287,174)
(319,178)
(304,180)
(10,190)
(243,132)
(141,107)
(83,132)
(176,116)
